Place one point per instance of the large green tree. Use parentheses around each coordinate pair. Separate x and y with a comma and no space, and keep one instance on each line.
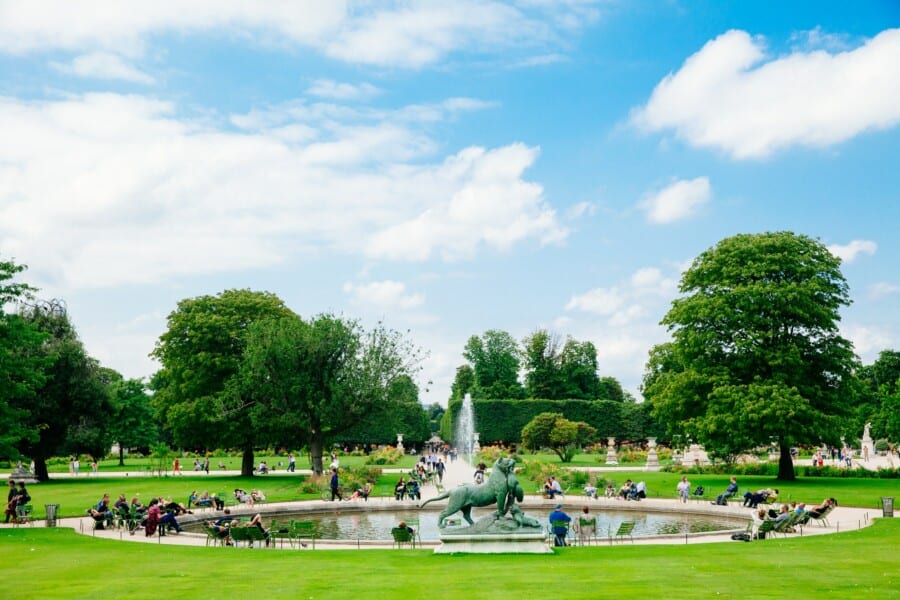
(21,364)
(71,410)
(200,352)
(554,431)
(318,379)
(133,423)
(494,357)
(755,355)
(541,362)
(880,397)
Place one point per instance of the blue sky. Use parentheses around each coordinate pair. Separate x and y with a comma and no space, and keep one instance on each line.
(446,167)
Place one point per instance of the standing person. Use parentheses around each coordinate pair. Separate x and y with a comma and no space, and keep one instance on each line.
(176,467)
(206,465)
(684,488)
(75,466)
(335,486)
(479,472)
(557,518)
(94,466)
(440,468)
(292,463)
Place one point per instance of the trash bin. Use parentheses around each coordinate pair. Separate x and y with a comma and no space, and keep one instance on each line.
(51,509)
(887,506)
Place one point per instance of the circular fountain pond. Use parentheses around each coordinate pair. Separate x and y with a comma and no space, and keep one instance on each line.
(365,525)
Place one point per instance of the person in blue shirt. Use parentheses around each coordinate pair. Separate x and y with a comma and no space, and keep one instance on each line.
(335,486)
(731,490)
(559,531)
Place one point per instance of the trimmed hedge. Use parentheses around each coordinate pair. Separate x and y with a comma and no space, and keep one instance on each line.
(503,420)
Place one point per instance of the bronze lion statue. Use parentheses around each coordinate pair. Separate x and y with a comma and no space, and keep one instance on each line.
(495,490)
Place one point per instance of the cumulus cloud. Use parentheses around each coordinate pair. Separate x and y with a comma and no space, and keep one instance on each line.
(327,88)
(678,200)
(105,189)
(869,341)
(731,96)
(848,252)
(384,295)
(883,288)
(484,202)
(395,33)
(103,65)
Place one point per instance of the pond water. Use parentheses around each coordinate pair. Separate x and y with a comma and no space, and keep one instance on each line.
(376,525)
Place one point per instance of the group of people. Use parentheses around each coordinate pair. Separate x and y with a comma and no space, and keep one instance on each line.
(159,512)
(224,525)
(16,498)
(796,513)
(206,500)
(245,497)
(408,488)
(552,488)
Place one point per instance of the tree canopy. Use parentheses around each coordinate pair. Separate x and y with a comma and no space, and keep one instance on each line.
(200,352)
(317,379)
(755,355)
(494,357)
(554,431)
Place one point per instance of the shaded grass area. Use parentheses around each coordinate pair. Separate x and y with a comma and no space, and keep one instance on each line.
(56,563)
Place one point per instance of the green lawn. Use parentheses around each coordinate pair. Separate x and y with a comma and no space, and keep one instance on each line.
(233,463)
(57,563)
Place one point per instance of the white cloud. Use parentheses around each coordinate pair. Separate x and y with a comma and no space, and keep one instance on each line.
(103,65)
(600,301)
(104,189)
(484,202)
(385,295)
(327,88)
(848,252)
(882,289)
(394,34)
(730,96)
(581,209)
(679,200)
(868,341)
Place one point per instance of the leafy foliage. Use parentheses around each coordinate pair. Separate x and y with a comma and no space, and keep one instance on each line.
(555,432)
(756,353)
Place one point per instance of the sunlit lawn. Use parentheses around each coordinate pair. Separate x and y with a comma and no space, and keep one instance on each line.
(57,563)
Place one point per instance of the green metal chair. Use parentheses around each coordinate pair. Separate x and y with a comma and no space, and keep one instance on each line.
(402,536)
(24,515)
(626,528)
(587,530)
(304,529)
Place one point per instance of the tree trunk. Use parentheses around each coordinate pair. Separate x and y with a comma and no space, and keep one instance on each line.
(247,462)
(315,453)
(785,463)
(121,455)
(40,469)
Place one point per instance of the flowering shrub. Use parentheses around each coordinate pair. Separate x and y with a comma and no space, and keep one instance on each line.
(388,455)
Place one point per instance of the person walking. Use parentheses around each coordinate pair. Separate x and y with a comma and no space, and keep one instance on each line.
(292,463)
(335,486)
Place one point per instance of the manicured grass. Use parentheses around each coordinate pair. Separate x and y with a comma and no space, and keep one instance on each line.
(232,463)
(55,563)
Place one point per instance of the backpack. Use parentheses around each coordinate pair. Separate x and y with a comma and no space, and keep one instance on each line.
(741,537)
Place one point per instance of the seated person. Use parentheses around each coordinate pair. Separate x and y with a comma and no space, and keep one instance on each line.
(197,465)
(242,496)
(101,512)
(18,497)
(752,499)
(783,515)
(257,496)
(263,468)
(400,489)
(403,525)
(640,490)
(731,490)
(222,526)
(221,465)
(759,516)
(626,490)
(137,507)
(412,489)
(548,488)
(559,530)
(362,492)
(121,504)
(590,490)
(610,491)
(157,518)
(194,500)
(256,521)
(174,507)
(818,511)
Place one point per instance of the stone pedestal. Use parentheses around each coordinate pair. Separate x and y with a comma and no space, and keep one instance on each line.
(20,473)
(611,458)
(652,458)
(476,446)
(495,543)
(696,455)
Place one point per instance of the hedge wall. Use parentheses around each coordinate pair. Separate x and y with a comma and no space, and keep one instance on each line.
(503,420)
